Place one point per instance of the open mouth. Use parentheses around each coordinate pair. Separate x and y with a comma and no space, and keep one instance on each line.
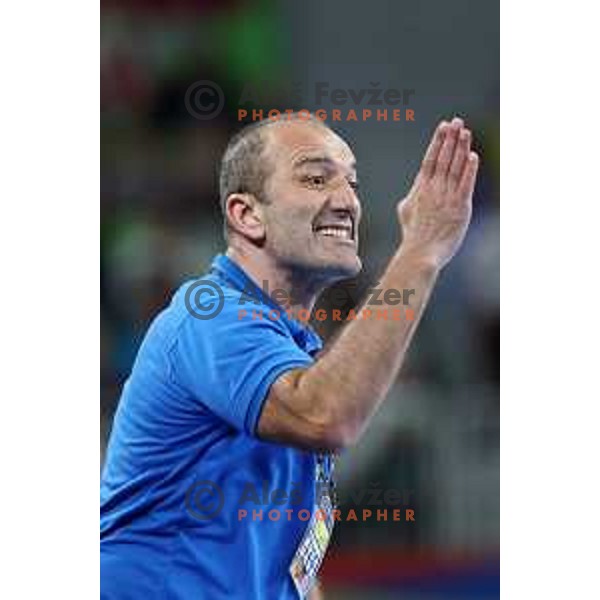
(341,231)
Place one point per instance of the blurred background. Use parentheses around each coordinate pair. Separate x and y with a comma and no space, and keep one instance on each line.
(437,435)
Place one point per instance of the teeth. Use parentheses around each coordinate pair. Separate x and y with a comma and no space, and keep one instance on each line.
(335,232)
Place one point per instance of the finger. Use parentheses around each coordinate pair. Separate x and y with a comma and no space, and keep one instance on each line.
(461,152)
(447,149)
(431,155)
(469,176)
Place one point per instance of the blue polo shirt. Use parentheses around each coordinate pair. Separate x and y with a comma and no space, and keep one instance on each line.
(183,458)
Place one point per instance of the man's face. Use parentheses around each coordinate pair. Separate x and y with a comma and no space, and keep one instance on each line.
(312,212)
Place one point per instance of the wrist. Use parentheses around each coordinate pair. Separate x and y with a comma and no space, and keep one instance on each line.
(418,258)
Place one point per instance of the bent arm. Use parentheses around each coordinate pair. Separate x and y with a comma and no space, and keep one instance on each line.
(328,405)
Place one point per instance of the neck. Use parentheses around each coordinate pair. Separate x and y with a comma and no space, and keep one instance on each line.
(297,294)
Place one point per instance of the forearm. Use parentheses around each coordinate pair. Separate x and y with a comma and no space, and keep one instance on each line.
(347,384)
(329,404)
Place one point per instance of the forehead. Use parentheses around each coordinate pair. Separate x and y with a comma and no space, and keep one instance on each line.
(292,142)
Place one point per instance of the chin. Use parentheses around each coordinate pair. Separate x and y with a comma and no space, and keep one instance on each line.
(344,269)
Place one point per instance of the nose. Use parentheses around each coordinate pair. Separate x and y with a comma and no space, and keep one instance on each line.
(345,199)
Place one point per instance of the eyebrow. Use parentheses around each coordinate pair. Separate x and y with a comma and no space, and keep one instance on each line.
(320,160)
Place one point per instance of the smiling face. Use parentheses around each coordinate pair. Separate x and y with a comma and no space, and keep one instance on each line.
(312,211)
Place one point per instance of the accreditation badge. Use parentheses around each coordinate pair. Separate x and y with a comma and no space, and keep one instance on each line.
(311,550)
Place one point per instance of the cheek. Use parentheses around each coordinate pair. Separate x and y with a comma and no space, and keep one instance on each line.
(285,231)
(292,220)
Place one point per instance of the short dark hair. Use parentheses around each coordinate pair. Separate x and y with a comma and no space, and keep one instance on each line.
(244,168)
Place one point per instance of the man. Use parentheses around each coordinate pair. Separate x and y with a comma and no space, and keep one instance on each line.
(228,419)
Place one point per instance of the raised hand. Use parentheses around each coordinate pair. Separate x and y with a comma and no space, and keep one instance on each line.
(436,212)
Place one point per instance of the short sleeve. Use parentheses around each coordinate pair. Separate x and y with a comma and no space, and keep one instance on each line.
(229,364)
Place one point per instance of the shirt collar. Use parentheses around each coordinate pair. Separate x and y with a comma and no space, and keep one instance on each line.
(303,334)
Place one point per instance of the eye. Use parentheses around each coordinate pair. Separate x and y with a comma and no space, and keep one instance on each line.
(354,185)
(316,180)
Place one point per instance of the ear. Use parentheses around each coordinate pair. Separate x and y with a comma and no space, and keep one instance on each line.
(244,214)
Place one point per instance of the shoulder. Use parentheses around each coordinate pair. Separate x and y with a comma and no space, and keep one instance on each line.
(208,308)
